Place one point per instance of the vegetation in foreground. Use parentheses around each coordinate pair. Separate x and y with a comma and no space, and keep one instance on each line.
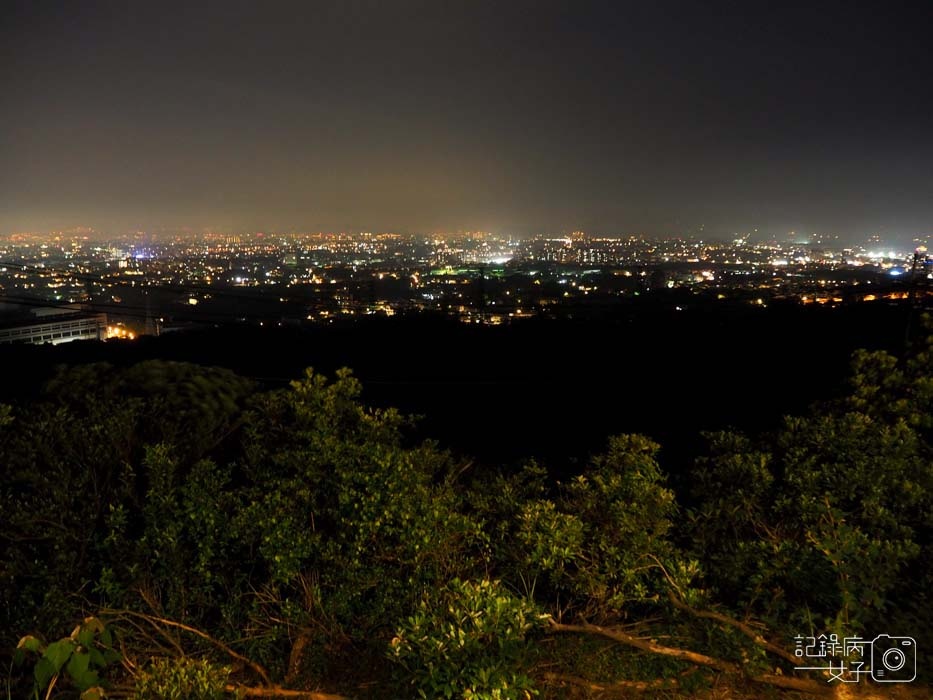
(171,531)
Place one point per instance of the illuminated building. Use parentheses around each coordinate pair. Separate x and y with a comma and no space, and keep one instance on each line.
(58,325)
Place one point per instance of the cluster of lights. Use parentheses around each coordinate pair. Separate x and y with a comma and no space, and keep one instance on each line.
(120,332)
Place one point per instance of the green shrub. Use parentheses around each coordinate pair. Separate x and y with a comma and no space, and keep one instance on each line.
(469,642)
(181,679)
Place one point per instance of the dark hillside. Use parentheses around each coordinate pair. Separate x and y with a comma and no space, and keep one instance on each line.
(550,389)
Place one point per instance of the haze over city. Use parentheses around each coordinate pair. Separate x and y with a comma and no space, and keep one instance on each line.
(519,118)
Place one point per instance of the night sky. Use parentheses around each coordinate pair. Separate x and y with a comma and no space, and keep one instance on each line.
(515,117)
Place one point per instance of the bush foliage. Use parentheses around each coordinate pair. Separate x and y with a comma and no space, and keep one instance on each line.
(283,537)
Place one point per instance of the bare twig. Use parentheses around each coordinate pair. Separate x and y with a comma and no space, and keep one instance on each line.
(152,619)
(143,632)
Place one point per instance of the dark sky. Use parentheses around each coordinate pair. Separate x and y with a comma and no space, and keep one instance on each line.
(518,117)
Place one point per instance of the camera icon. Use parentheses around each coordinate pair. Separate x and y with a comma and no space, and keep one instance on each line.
(893,659)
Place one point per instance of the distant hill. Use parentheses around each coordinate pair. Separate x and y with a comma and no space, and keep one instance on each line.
(552,389)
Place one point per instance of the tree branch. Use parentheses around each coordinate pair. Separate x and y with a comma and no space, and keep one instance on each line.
(166,651)
(243,691)
(622,686)
(742,627)
(152,619)
(778,681)
(627,639)
(801,685)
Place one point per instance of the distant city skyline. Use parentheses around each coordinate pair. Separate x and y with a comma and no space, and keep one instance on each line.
(904,243)
(522,118)
(145,280)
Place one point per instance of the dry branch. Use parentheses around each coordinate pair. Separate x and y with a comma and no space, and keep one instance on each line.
(242,691)
(152,619)
(622,686)
(778,681)
(742,627)
(801,685)
(627,639)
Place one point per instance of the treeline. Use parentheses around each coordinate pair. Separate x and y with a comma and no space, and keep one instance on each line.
(170,530)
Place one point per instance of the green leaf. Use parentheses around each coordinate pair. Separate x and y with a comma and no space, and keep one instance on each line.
(58,653)
(78,665)
(97,658)
(30,643)
(85,637)
(93,623)
(96,693)
(43,672)
(88,679)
